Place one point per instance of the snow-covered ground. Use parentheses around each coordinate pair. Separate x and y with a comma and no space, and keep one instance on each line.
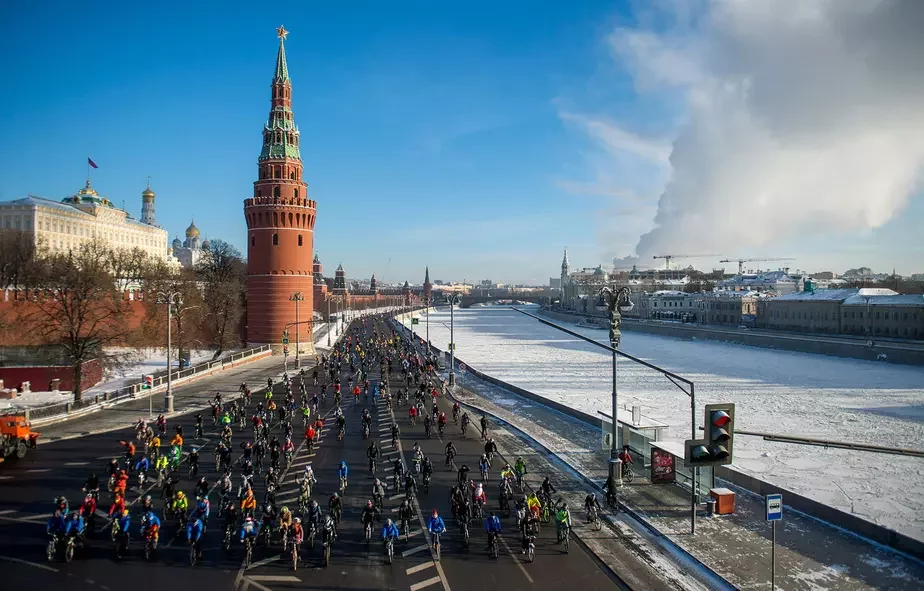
(146,361)
(774,391)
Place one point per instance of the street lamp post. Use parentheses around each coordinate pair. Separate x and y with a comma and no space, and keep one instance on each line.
(454,300)
(613,300)
(328,321)
(171,299)
(296,297)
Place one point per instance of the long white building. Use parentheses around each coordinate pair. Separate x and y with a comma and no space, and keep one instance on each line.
(59,226)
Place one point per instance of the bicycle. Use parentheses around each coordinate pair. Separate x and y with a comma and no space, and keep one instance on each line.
(594,518)
(426,482)
(368,531)
(312,532)
(148,548)
(531,548)
(372,466)
(389,549)
(566,539)
(436,544)
(248,550)
(193,553)
(493,546)
(463,527)
(340,433)
(627,475)
(343,484)
(294,554)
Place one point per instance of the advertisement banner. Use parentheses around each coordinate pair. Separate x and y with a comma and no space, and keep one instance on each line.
(662,466)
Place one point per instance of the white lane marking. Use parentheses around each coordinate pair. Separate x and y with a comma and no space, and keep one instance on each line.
(77,463)
(247,582)
(395,509)
(263,562)
(6,511)
(515,559)
(427,583)
(38,470)
(418,568)
(414,550)
(26,562)
(393,497)
(416,532)
(274,578)
(6,477)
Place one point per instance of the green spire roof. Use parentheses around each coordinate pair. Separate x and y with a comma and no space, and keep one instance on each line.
(282,70)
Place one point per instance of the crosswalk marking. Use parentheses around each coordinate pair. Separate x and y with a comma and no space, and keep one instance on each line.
(427,583)
(414,550)
(6,511)
(419,567)
(77,463)
(38,470)
(263,562)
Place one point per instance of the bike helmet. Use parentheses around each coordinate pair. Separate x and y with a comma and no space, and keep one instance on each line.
(388,523)
(368,504)
(435,513)
(285,509)
(124,512)
(336,496)
(297,520)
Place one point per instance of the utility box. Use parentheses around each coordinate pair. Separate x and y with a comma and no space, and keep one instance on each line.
(724,500)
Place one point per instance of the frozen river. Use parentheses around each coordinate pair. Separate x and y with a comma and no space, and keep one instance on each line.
(775,391)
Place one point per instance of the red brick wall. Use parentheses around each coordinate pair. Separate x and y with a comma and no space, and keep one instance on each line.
(41,376)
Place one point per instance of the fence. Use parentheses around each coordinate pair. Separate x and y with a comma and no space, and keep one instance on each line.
(132,390)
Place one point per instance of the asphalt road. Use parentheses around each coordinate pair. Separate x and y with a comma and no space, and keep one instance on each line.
(27,490)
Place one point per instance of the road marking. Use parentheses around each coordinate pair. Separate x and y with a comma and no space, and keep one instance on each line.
(427,583)
(418,568)
(76,463)
(274,578)
(393,497)
(26,562)
(7,511)
(414,550)
(5,477)
(38,470)
(515,559)
(263,562)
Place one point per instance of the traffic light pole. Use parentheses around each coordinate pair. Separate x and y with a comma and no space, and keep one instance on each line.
(693,470)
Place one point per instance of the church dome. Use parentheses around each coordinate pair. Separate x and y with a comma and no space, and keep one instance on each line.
(192,231)
(177,243)
(599,272)
(205,244)
(148,192)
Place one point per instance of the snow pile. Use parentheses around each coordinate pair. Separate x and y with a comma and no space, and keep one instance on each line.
(775,391)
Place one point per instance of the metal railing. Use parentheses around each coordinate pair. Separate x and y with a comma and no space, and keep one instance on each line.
(160,379)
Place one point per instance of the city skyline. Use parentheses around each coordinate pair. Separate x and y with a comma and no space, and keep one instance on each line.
(498,147)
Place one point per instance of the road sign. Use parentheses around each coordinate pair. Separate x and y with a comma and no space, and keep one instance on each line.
(774,507)
(148,382)
(285,340)
(415,320)
(462,367)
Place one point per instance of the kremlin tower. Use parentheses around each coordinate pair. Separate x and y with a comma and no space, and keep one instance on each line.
(280,226)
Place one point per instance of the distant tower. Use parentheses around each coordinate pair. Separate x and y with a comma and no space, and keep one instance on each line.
(147,206)
(427,286)
(407,293)
(280,225)
(192,236)
(340,286)
(372,285)
(565,269)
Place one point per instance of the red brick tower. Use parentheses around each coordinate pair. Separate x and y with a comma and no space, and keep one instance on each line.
(280,226)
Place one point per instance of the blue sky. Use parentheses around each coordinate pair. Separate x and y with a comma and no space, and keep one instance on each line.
(476,138)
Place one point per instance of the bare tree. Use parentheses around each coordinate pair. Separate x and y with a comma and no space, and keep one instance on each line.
(17,257)
(78,306)
(128,266)
(188,314)
(222,275)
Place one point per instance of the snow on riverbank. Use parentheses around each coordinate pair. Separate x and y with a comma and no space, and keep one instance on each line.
(775,391)
(147,361)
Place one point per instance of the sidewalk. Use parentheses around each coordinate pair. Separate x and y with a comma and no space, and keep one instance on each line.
(810,554)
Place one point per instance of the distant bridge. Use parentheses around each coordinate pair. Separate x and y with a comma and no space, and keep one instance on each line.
(534,298)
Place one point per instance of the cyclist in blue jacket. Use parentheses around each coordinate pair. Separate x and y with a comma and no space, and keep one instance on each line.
(194,533)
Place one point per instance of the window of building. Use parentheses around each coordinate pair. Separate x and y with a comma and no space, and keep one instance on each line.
(275,239)
(276,192)
(296,192)
(885,315)
(299,239)
(253,240)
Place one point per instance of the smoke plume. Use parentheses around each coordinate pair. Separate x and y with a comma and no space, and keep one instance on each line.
(800,116)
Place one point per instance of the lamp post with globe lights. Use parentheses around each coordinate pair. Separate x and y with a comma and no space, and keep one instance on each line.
(615,301)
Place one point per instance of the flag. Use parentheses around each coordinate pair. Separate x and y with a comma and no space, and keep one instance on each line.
(91,163)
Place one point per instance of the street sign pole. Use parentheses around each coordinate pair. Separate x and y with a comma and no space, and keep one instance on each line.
(774,514)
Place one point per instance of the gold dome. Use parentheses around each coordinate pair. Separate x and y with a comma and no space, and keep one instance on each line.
(192,231)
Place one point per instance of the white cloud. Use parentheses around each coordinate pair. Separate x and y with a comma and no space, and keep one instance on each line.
(801,117)
(618,140)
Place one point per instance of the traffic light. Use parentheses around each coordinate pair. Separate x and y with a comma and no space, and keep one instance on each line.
(716,448)
(285,351)
(148,382)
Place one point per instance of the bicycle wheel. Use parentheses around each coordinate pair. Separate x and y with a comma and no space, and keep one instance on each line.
(50,551)
(69,551)
(294,557)
(249,553)
(192,555)
(530,553)
(326,554)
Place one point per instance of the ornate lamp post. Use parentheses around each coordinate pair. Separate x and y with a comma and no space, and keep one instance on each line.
(454,300)
(296,297)
(171,299)
(615,300)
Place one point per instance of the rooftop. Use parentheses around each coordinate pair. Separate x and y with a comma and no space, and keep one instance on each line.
(833,295)
(886,300)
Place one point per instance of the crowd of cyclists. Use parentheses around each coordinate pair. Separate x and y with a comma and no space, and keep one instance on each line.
(250,520)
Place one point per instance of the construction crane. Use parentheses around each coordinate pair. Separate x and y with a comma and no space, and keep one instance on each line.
(742,261)
(669,257)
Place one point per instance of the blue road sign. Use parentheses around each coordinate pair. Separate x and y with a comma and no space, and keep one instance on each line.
(774,507)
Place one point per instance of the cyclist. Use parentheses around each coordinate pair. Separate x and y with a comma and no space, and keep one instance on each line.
(450,452)
(372,453)
(562,520)
(202,487)
(249,528)
(492,527)
(395,432)
(313,516)
(150,527)
(478,497)
(441,422)
(436,526)
(507,472)
(285,519)
(547,488)
(118,505)
(463,474)
(378,493)
(520,468)
(427,469)
(483,466)
(530,528)
(335,506)
(405,513)
(296,533)
(533,505)
(341,425)
(591,504)
(484,427)
(342,472)
(410,485)
(125,523)
(368,515)
(490,449)
(390,531)
(248,503)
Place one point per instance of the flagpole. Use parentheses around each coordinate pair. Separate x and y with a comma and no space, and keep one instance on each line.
(88,170)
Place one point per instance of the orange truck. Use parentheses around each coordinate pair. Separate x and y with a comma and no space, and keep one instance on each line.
(16,436)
